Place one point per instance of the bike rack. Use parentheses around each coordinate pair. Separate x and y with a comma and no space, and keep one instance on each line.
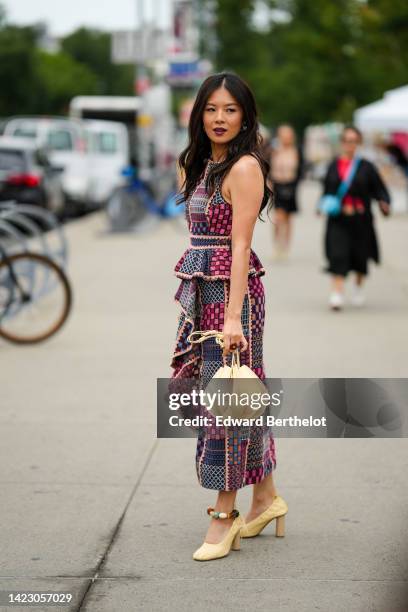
(25,216)
(13,234)
(25,228)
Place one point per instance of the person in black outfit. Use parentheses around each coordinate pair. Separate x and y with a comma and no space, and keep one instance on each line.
(350,237)
(286,171)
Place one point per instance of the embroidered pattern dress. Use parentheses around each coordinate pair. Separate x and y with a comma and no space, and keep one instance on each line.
(227,458)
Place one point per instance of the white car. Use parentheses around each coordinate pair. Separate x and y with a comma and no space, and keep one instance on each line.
(65,143)
(108,155)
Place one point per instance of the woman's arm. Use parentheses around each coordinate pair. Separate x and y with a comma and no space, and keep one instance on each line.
(331,180)
(300,170)
(246,190)
(379,191)
(330,183)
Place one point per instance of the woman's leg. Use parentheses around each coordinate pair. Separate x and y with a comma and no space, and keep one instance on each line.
(338,283)
(336,300)
(358,297)
(287,229)
(276,226)
(279,230)
(219,527)
(262,497)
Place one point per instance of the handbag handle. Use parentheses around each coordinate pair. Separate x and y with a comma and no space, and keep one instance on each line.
(235,359)
(206,335)
(219,338)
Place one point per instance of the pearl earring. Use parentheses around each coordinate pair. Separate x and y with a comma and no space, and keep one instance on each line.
(244,127)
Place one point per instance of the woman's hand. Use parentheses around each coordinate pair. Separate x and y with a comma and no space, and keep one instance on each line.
(385,208)
(233,335)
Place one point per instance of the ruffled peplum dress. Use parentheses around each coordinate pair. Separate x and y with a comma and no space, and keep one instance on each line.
(227,458)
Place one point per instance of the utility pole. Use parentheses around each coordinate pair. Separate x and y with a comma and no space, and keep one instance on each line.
(140,61)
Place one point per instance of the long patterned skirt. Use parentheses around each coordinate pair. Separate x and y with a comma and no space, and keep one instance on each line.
(227,458)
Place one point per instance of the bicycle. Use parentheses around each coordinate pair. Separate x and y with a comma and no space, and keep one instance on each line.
(35,297)
(129,204)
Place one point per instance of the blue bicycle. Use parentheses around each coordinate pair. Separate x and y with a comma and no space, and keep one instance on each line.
(129,204)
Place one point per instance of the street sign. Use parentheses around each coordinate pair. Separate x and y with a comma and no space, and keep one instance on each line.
(186,70)
(130,46)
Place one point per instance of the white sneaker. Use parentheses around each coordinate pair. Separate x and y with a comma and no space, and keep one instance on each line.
(336,301)
(358,297)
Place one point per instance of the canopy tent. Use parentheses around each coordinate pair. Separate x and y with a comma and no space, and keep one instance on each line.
(390,113)
(399,92)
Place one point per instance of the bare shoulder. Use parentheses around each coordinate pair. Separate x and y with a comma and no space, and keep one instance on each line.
(247,167)
(246,174)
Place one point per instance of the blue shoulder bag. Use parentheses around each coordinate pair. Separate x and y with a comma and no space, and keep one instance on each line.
(331,204)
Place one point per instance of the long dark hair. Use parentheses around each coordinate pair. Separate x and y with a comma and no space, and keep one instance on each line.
(194,157)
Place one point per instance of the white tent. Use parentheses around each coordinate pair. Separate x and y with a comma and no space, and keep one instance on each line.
(399,92)
(390,113)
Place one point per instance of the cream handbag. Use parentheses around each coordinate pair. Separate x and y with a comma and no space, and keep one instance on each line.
(235,390)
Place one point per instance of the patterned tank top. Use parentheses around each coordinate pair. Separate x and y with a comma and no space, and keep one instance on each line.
(209,221)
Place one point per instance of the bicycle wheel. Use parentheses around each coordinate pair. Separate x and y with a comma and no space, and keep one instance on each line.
(35,298)
(124,209)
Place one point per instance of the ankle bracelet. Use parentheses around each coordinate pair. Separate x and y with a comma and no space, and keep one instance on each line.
(222,515)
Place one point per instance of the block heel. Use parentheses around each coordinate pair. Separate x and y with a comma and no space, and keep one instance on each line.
(280,526)
(276,510)
(236,544)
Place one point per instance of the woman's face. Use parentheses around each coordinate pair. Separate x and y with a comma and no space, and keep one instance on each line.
(350,141)
(222,117)
(286,136)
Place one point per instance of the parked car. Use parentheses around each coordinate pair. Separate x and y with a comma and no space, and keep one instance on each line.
(64,140)
(27,175)
(108,155)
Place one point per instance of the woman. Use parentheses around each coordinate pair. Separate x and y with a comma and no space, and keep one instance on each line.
(224,185)
(350,238)
(286,169)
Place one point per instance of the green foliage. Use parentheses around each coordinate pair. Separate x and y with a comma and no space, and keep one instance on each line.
(92,49)
(321,62)
(34,81)
(60,78)
(18,82)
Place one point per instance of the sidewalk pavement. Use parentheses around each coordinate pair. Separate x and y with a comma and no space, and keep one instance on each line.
(93,504)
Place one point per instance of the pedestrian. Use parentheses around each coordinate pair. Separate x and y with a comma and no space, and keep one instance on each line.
(224,185)
(286,172)
(350,237)
(398,155)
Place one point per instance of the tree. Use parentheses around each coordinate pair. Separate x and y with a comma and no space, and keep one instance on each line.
(92,49)
(60,78)
(33,81)
(315,61)
(18,83)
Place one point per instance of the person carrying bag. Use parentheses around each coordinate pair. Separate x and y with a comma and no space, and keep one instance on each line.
(330,204)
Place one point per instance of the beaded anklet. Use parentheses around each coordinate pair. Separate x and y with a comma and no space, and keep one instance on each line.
(222,515)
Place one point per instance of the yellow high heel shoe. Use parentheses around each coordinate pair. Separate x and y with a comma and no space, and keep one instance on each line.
(276,510)
(208,551)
